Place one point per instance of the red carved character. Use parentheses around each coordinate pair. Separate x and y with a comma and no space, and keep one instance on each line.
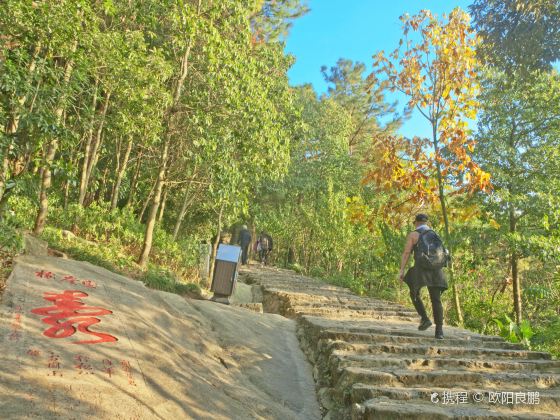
(125,365)
(70,279)
(34,352)
(83,364)
(108,367)
(68,313)
(54,364)
(43,274)
(89,283)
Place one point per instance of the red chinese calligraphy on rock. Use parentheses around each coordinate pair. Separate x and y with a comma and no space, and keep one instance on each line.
(15,326)
(108,367)
(43,274)
(83,365)
(69,314)
(89,283)
(70,279)
(34,352)
(125,365)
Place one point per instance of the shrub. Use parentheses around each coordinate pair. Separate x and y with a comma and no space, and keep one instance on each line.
(11,240)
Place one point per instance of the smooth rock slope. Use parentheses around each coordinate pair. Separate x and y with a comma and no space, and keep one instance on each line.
(80,342)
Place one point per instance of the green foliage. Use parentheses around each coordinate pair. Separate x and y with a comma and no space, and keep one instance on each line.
(547,336)
(104,256)
(159,279)
(11,240)
(518,34)
(111,83)
(165,280)
(515,333)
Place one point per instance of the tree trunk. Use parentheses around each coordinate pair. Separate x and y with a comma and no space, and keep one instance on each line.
(13,125)
(178,89)
(101,191)
(187,201)
(514,266)
(147,201)
(163,202)
(121,169)
(98,139)
(87,149)
(215,247)
(151,222)
(134,181)
(456,299)
(46,177)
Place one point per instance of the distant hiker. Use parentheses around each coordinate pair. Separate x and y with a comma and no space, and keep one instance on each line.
(429,258)
(244,240)
(264,247)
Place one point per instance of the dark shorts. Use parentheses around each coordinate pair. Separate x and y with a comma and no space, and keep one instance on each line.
(417,277)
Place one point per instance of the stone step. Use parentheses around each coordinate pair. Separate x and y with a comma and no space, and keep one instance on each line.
(354,306)
(538,400)
(318,324)
(383,408)
(436,350)
(371,362)
(358,337)
(339,360)
(350,313)
(408,378)
(303,294)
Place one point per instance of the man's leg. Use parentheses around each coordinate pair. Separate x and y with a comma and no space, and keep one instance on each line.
(244,252)
(437,308)
(419,306)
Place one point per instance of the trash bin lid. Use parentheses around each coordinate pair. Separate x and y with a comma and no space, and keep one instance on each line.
(228,253)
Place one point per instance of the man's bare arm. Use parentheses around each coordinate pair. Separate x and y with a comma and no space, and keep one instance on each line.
(410,242)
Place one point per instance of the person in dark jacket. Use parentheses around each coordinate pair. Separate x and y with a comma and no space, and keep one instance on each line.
(244,241)
(264,247)
(418,277)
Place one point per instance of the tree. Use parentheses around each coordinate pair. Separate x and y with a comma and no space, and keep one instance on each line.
(518,36)
(436,70)
(273,18)
(366,107)
(520,126)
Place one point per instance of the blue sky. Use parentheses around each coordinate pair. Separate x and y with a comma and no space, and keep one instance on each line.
(354,29)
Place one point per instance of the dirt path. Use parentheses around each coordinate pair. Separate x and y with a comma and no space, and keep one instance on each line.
(371,362)
(140,354)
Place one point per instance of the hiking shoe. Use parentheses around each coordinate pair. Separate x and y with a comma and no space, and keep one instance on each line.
(439,333)
(425,324)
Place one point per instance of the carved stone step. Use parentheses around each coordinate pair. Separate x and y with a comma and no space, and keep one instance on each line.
(386,409)
(538,400)
(358,337)
(441,350)
(340,312)
(400,377)
(338,360)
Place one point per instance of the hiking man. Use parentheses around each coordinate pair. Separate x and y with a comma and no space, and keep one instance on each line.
(244,241)
(264,247)
(429,258)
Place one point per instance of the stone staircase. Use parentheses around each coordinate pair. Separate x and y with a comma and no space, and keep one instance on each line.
(371,362)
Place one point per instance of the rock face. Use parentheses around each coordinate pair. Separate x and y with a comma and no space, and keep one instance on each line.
(80,342)
(371,362)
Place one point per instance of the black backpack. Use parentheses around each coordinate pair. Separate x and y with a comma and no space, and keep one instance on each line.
(430,252)
(264,243)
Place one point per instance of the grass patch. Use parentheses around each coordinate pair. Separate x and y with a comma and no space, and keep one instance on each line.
(110,257)
(11,244)
(165,280)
